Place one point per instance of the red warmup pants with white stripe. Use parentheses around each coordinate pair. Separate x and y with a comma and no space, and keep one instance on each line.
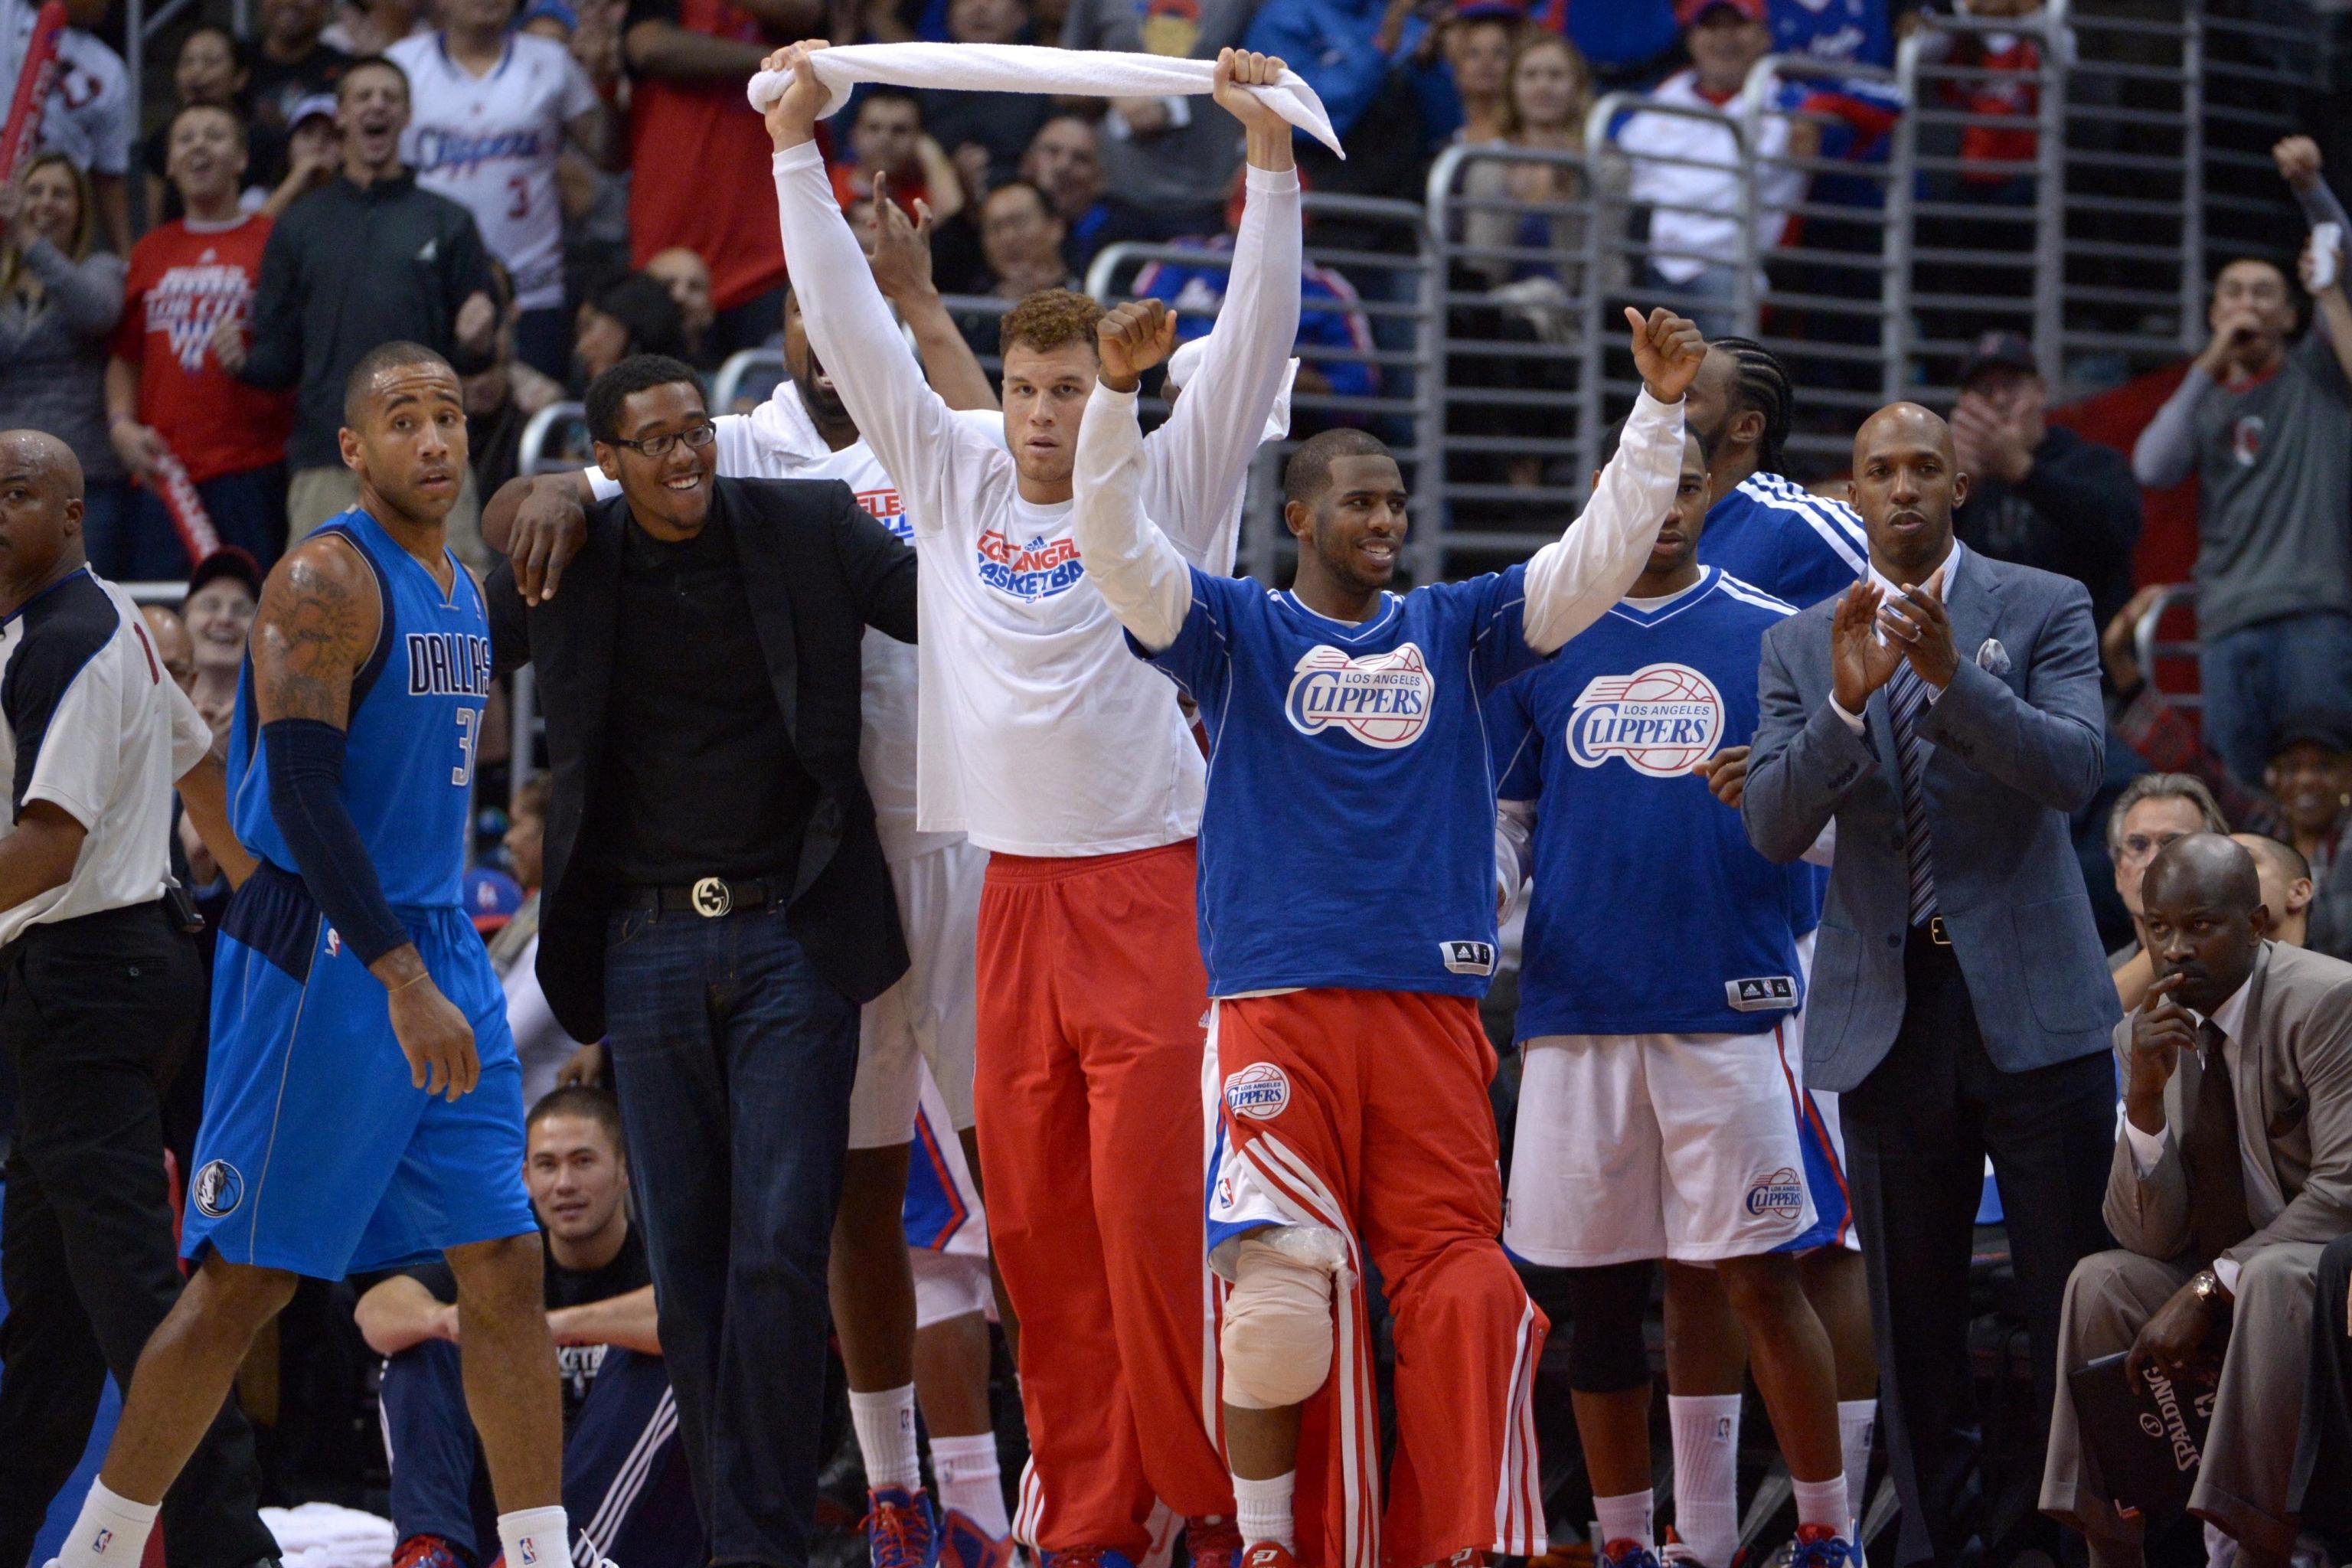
(1091,1001)
(1382,1132)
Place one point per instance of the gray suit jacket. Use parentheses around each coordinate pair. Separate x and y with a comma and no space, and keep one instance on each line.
(2014,745)
(2293,1079)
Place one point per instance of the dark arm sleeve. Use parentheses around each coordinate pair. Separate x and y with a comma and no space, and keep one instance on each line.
(878,569)
(273,354)
(510,620)
(468,274)
(306,772)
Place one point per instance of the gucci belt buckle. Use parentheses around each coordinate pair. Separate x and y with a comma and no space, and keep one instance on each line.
(712,898)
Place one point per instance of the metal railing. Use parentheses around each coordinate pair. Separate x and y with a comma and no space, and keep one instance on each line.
(2157,652)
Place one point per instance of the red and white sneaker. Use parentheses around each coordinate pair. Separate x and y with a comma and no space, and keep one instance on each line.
(1269,1554)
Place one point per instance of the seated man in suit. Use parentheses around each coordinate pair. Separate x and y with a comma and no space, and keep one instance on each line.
(1944,712)
(2233,1169)
(624,1481)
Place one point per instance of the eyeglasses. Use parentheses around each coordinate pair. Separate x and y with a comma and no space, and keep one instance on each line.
(658,446)
(2141,846)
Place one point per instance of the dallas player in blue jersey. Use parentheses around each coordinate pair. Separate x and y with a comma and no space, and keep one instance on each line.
(363,1107)
(1348,914)
(1660,1102)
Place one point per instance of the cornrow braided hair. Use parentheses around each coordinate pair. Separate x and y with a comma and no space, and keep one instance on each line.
(1762,383)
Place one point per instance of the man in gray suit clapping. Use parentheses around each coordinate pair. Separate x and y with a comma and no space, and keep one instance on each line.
(1944,713)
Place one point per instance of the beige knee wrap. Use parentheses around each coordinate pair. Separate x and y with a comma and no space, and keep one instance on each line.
(1278,1330)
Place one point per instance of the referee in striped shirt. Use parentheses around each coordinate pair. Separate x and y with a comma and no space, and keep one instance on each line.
(101,990)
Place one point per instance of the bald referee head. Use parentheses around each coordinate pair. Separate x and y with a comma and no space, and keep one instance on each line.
(41,514)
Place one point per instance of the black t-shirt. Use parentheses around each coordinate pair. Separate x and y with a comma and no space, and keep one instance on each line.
(701,778)
(576,1364)
(274,89)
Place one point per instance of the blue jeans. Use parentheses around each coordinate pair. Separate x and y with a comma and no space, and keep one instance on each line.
(732,1057)
(1708,299)
(624,1483)
(2258,677)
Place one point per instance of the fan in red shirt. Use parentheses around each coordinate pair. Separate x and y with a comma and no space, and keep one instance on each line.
(165,393)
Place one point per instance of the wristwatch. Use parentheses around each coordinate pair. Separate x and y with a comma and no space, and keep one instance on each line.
(2207,1286)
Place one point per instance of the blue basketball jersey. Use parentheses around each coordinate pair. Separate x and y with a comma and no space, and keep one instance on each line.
(416,713)
(1652,913)
(1348,837)
(1773,534)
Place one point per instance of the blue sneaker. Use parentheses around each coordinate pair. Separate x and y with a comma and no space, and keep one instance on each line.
(1819,1546)
(964,1544)
(901,1530)
(1627,1555)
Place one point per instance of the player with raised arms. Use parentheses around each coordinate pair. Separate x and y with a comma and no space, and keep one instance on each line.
(1348,915)
(1660,1106)
(364,1105)
(1049,747)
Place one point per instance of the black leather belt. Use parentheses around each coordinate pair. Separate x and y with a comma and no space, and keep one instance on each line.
(709,897)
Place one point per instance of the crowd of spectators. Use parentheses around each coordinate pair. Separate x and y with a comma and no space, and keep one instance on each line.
(540,191)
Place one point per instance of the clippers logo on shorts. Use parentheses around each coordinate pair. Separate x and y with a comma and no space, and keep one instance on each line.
(1038,570)
(1764,993)
(1660,719)
(1381,698)
(1259,1091)
(885,508)
(218,1189)
(1467,957)
(1778,1193)
(449,664)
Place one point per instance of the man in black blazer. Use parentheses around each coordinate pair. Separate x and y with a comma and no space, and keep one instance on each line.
(716,905)
(1944,713)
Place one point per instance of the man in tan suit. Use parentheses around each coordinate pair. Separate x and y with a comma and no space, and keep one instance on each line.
(2232,1171)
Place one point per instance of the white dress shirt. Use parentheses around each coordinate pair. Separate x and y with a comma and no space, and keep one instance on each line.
(2263,1199)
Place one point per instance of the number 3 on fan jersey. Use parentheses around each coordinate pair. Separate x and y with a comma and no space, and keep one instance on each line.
(469,735)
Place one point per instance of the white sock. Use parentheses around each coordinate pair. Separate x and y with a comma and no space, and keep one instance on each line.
(1706,1473)
(1262,1511)
(1627,1518)
(1858,1420)
(971,1482)
(110,1532)
(885,1437)
(536,1538)
(1824,1502)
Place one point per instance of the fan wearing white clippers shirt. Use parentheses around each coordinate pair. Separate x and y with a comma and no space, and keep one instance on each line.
(803,432)
(491,110)
(1071,763)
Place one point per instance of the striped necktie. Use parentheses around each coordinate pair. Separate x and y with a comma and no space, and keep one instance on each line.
(1906,700)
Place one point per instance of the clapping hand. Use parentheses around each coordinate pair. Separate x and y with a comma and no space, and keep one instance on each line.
(1861,661)
(1915,622)
(1667,351)
(1725,774)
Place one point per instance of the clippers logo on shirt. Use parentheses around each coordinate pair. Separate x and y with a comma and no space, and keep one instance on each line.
(1381,698)
(440,151)
(1040,569)
(2246,440)
(885,508)
(188,304)
(449,664)
(1659,720)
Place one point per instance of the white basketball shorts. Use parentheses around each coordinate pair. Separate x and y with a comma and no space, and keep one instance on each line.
(929,1015)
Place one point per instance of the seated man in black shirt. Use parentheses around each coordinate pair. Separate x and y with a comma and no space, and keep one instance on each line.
(624,1479)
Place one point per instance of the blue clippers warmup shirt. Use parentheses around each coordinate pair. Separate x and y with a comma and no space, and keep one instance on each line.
(1652,914)
(1348,836)
(415,714)
(1773,534)
(1843,31)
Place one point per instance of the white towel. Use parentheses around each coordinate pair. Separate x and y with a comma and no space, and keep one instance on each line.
(322,1535)
(1032,67)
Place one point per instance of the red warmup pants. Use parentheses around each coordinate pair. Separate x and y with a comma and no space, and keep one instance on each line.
(1382,1131)
(1091,1001)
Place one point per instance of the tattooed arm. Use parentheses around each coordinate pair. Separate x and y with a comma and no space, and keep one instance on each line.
(320,617)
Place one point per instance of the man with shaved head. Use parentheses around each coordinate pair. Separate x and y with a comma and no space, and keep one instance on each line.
(1944,713)
(101,993)
(2231,1172)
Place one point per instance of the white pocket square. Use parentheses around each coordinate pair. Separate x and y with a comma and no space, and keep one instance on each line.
(1992,658)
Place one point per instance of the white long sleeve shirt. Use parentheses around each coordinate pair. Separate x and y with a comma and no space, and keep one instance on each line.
(1037,732)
